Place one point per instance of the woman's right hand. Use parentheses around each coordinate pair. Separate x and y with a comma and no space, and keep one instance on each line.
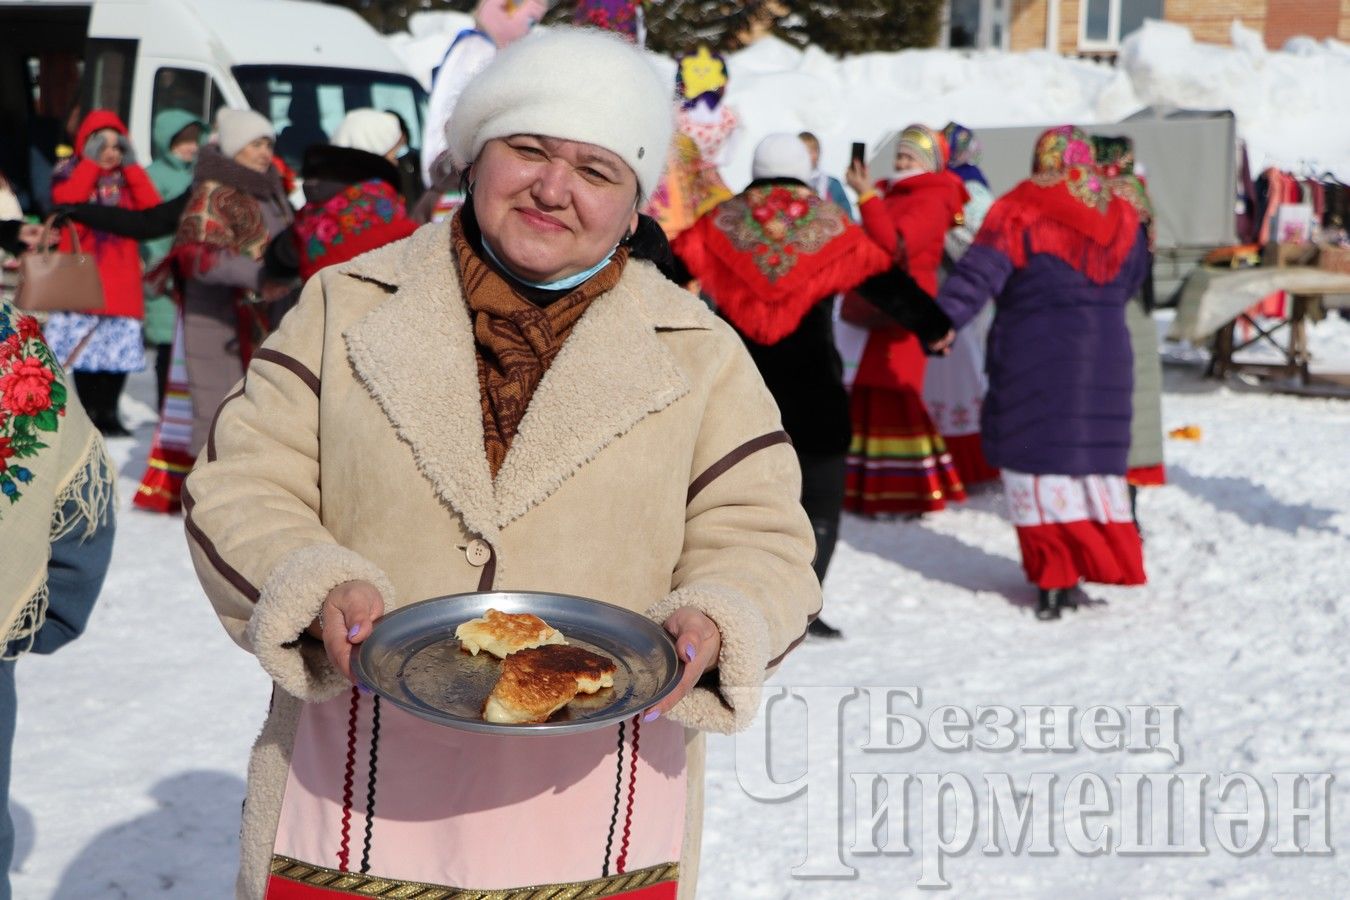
(858,177)
(346,619)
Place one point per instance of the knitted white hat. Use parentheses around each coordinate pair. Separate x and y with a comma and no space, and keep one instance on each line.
(370,130)
(237,128)
(576,84)
(782,156)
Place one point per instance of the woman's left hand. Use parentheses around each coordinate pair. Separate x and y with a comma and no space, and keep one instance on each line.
(698,642)
(943,345)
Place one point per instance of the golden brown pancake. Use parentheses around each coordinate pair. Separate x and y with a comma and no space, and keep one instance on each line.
(537,682)
(502,634)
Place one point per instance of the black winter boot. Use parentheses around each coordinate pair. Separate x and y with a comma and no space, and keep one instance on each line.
(99,393)
(1051,601)
(112,425)
(822,629)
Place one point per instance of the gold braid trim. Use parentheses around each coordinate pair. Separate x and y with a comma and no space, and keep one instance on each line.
(369,886)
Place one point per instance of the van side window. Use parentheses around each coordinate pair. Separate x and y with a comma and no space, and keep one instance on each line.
(190,90)
(108,75)
(184,89)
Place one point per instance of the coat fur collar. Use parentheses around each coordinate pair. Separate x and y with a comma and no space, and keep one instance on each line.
(415,354)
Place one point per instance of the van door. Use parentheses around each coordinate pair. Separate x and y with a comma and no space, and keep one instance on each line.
(41,58)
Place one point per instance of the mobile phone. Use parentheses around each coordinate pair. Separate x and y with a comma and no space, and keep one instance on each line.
(859,152)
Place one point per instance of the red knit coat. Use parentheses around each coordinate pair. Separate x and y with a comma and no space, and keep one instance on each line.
(918,210)
(119,259)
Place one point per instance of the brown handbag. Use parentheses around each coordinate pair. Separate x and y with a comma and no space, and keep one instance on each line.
(52,282)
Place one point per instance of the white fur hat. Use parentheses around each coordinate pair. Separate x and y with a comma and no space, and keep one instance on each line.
(782,156)
(237,128)
(370,130)
(576,84)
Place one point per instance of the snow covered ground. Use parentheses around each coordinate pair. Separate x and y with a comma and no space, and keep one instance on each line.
(132,742)
(1291,104)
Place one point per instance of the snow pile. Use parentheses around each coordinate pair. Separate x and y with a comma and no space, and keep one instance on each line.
(1291,105)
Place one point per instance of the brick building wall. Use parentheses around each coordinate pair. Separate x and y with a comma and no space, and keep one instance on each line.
(1068,25)
(1209,20)
(1287,18)
(1027,26)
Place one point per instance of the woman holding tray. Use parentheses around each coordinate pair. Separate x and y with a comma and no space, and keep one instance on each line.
(514,400)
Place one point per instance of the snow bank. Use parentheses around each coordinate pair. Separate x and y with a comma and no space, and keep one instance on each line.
(1292,106)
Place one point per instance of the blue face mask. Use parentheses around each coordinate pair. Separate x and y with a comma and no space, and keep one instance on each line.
(562,284)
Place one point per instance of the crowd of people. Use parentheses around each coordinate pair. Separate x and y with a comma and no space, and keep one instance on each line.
(595,369)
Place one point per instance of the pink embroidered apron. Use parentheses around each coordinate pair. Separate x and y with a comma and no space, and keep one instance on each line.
(380,794)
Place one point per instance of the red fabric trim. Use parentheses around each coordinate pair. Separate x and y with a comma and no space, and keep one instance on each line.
(1033,218)
(622,864)
(1061,554)
(1147,476)
(161,488)
(348,777)
(279,888)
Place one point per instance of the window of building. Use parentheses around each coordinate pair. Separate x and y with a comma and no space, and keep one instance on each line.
(977,24)
(1103,24)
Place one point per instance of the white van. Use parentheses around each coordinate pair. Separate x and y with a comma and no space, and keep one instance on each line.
(302,64)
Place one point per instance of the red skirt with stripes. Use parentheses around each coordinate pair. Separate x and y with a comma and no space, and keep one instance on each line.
(898,462)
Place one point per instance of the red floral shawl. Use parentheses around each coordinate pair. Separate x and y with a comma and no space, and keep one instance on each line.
(768,255)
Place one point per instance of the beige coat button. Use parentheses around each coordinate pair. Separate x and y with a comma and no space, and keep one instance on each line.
(478,552)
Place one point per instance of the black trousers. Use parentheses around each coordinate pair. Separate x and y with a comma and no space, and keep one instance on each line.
(99,393)
(163,358)
(823,500)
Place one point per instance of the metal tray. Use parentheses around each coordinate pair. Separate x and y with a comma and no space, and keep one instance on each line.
(412,660)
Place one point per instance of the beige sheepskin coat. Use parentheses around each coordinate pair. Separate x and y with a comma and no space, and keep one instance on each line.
(650,471)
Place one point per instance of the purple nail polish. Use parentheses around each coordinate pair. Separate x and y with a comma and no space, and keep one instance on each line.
(689,652)
(353,631)
(651,716)
(363,689)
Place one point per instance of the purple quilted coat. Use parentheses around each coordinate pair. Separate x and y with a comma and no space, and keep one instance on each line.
(1059,360)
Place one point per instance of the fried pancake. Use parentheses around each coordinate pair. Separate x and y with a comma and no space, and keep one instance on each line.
(538,682)
(502,634)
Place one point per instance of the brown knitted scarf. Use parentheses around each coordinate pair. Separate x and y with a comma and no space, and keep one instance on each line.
(516,340)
